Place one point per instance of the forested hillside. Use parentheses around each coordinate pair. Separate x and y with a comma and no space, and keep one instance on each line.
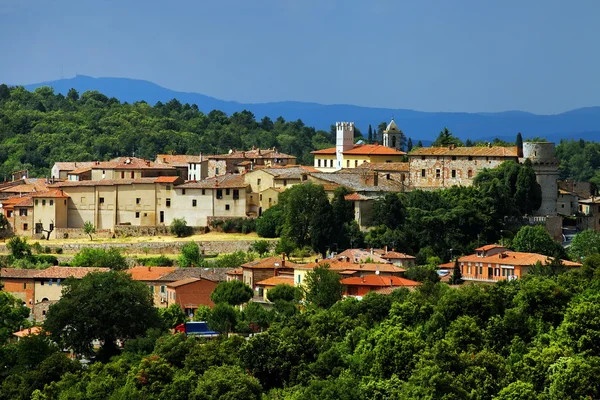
(39,128)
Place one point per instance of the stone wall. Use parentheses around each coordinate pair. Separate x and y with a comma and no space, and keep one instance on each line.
(78,233)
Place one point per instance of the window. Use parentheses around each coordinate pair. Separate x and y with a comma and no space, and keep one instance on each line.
(50,282)
(299,278)
(51,202)
(9,214)
(219,193)
(168,202)
(347,163)
(227,207)
(318,162)
(25,227)
(216,171)
(227,192)
(330,163)
(132,175)
(437,174)
(470,173)
(355,163)
(285,182)
(423,173)
(44,202)
(36,202)
(58,282)
(194,203)
(261,197)
(145,214)
(168,188)
(258,181)
(236,194)
(203,192)
(304,177)
(137,214)
(163,288)
(470,158)
(387,176)
(269,200)
(422,157)
(38,227)
(138,200)
(183,191)
(101,200)
(122,174)
(453,158)
(24,286)
(454,173)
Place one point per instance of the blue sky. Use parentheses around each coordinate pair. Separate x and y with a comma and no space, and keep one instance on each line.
(465,55)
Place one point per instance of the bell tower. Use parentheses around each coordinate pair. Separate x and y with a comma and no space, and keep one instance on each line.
(344,141)
(392,136)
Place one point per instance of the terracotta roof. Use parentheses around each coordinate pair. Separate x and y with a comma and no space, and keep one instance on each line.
(356,197)
(289,171)
(222,181)
(277,280)
(448,265)
(354,181)
(68,272)
(18,201)
(489,247)
(18,273)
(514,258)
(338,266)
(483,151)
(177,160)
(396,255)
(269,262)
(80,170)
(388,289)
(252,154)
(183,282)
(35,330)
(236,271)
(72,166)
(378,281)
(211,274)
(357,256)
(56,193)
(167,179)
(143,273)
(387,167)
(107,182)
(363,149)
(129,163)
(26,185)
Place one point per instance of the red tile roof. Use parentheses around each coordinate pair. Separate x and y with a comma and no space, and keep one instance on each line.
(378,281)
(35,330)
(18,273)
(72,166)
(396,255)
(356,197)
(56,193)
(277,280)
(143,273)
(338,266)
(387,167)
(177,160)
(363,149)
(183,282)
(67,272)
(107,182)
(253,154)
(167,179)
(269,262)
(129,163)
(489,247)
(222,181)
(514,258)
(236,271)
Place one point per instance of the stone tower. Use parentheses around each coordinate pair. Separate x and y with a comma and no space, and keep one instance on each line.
(545,165)
(392,136)
(344,140)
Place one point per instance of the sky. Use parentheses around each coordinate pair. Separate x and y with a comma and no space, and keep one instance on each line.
(539,56)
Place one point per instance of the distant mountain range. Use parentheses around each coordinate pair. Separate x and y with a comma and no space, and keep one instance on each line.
(579,123)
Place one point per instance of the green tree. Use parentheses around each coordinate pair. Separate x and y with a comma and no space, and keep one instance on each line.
(409,145)
(323,286)
(222,319)
(172,316)
(389,211)
(179,227)
(584,244)
(227,382)
(233,293)
(535,239)
(519,144)
(190,255)
(87,310)
(445,139)
(528,195)
(517,390)
(13,315)
(581,327)
(73,95)
(19,248)
(456,278)
(284,293)
(370,134)
(202,313)
(269,224)
(89,229)
(261,247)
(100,258)
(307,215)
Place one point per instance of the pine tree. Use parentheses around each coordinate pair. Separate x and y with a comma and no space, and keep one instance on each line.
(409,145)
(456,278)
(419,144)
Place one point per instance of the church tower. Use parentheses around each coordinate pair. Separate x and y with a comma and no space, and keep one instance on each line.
(344,141)
(392,136)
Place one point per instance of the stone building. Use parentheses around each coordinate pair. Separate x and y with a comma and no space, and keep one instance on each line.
(237,162)
(545,164)
(392,136)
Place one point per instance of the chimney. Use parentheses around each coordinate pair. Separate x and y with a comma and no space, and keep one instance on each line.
(391,282)
(385,249)
(452,146)
(200,156)
(282,260)
(149,268)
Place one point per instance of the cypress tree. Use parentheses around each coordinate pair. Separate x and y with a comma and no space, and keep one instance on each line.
(456,278)
(370,134)
(409,145)
(519,145)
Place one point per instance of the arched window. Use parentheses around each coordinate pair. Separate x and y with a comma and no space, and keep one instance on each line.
(394,141)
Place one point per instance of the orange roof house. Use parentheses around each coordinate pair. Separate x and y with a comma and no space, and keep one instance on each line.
(190,293)
(326,160)
(359,286)
(267,284)
(259,270)
(503,265)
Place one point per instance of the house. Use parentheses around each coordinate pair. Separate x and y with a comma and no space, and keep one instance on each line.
(190,293)
(19,213)
(358,256)
(441,167)
(398,171)
(588,215)
(259,270)
(34,330)
(61,170)
(47,287)
(243,161)
(347,269)
(49,212)
(22,187)
(236,274)
(401,259)
(360,286)
(212,274)
(498,264)
(19,283)
(152,277)
(567,202)
(346,154)
(363,209)
(267,284)
(130,168)
(189,167)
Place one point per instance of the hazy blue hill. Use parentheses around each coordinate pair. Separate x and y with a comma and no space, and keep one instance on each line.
(583,122)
